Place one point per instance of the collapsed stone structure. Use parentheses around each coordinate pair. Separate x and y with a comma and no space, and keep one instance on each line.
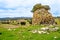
(23,22)
(41,15)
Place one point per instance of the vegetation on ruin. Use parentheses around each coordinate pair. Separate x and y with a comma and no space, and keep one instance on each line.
(39,6)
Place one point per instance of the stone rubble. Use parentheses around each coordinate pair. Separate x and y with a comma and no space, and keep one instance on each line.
(45,30)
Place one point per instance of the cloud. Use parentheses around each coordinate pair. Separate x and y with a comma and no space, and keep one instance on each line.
(15,8)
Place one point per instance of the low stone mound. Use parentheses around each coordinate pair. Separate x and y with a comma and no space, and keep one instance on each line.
(23,22)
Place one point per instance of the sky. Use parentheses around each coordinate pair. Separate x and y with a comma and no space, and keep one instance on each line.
(22,8)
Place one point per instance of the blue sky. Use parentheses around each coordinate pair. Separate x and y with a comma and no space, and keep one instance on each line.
(22,8)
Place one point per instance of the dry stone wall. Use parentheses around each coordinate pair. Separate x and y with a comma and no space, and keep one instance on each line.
(42,16)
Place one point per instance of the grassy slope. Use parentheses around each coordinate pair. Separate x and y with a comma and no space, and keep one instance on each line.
(24,34)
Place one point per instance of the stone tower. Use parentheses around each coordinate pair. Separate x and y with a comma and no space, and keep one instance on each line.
(42,16)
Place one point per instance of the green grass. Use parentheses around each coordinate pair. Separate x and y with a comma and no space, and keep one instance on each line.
(23,33)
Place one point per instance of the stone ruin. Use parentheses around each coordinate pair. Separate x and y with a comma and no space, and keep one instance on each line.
(23,22)
(42,16)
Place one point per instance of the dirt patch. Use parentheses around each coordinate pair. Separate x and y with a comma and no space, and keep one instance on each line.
(8,26)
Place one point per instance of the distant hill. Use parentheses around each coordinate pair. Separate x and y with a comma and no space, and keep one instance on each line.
(15,18)
(57,17)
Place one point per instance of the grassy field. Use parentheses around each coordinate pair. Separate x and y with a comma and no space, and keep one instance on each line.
(23,33)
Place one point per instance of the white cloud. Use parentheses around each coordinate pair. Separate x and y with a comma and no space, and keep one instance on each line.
(16,3)
(23,7)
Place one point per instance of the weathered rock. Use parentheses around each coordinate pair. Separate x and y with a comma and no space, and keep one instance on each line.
(45,28)
(34,31)
(42,32)
(54,29)
(49,29)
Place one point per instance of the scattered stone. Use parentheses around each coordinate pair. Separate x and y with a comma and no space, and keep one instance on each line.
(34,31)
(55,37)
(45,28)
(44,32)
(51,26)
(54,29)
(9,29)
(39,32)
